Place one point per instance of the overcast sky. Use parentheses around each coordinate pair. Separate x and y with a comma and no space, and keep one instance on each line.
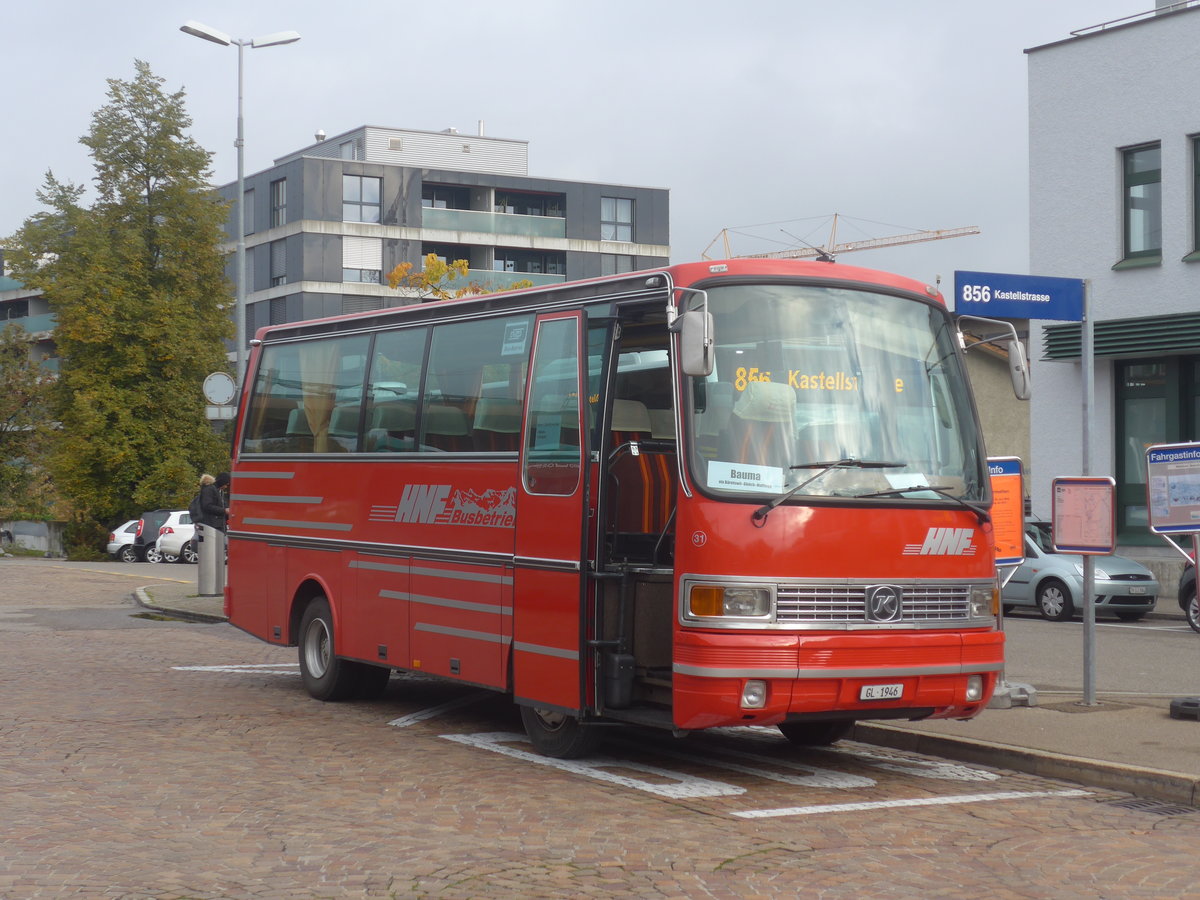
(900,115)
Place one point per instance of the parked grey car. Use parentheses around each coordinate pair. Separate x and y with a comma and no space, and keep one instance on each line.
(1053,582)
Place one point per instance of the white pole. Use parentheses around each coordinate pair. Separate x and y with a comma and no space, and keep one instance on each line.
(1087,361)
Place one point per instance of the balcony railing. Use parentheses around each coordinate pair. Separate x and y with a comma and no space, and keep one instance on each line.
(492,222)
(32,324)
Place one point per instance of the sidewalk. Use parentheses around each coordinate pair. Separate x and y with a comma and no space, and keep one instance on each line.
(1132,745)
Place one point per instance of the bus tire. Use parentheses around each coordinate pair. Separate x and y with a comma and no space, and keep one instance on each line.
(815,734)
(558,735)
(325,677)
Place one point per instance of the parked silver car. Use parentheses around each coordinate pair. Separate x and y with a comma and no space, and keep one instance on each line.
(1053,582)
(120,542)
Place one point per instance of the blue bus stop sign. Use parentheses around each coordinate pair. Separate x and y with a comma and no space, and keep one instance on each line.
(995,295)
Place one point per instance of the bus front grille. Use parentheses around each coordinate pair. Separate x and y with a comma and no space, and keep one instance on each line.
(804,603)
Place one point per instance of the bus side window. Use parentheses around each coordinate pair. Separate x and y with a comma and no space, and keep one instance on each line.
(395,379)
(552,448)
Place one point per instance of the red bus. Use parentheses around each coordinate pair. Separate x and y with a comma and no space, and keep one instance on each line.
(712,494)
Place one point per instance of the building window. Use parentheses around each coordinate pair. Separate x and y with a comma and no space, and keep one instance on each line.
(1196,196)
(278,202)
(530,262)
(278,262)
(615,264)
(360,198)
(441,196)
(616,219)
(1143,202)
(248,212)
(347,150)
(523,204)
(362,259)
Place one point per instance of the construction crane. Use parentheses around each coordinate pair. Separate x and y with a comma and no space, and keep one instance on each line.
(832,248)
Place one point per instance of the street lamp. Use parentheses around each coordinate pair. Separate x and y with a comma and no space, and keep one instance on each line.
(219,37)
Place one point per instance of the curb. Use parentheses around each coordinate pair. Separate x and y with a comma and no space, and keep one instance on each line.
(1175,787)
(142,599)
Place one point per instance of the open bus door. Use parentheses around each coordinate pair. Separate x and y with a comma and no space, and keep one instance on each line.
(549,648)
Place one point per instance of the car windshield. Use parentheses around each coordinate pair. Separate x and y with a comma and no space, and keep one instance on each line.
(833,392)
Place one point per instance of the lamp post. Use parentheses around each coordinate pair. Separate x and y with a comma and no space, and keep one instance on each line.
(219,37)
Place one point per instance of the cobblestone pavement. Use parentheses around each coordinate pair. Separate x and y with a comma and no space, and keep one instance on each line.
(144,758)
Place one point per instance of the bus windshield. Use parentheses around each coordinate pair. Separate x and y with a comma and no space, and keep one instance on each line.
(833,392)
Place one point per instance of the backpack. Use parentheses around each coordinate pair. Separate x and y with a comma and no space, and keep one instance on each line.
(196,511)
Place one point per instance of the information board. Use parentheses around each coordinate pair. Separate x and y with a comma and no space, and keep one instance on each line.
(1008,509)
(1084,517)
(1173,488)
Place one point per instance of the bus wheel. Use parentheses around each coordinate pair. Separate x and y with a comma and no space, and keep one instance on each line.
(325,676)
(558,735)
(815,734)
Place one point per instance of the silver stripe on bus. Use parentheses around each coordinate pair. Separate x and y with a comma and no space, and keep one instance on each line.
(275,498)
(464,576)
(816,674)
(263,475)
(287,523)
(379,566)
(490,608)
(554,565)
(463,633)
(525,647)
(456,555)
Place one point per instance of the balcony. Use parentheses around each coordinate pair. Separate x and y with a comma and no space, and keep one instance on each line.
(33,324)
(499,281)
(477,222)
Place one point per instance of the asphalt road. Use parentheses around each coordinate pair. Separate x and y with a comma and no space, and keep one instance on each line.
(153,758)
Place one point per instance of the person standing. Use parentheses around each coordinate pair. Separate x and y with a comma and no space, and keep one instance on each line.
(213,508)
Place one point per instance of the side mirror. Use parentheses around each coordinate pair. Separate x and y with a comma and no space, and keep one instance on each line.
(696,342)
(1018,370)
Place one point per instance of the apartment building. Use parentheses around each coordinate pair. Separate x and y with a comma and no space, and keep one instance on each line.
(1114,160)
(326,223)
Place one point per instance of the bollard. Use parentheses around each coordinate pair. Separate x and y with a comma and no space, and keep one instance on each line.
(210,571)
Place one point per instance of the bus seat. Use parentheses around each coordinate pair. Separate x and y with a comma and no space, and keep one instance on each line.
(662,424)
(497,423)
(343,427)
(645,484)
(631,416)
(446,427)
(762,427)
(392,426)
(297,424)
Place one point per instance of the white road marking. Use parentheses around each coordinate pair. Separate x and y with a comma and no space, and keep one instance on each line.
(679,787)
(259,668)
(413,718)
(767,767)
(915,766)
(897,804)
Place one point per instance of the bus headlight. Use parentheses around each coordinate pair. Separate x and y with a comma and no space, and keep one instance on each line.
(754,695)
(734,601)
(985,600)
(974,688)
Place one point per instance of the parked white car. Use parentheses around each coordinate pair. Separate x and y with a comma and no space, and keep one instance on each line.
(175,540)
(120,542)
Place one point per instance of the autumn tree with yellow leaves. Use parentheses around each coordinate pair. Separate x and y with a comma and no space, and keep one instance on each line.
(440,280)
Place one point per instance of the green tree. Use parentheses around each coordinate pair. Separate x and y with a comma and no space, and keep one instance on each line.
(137,283)
(25,422)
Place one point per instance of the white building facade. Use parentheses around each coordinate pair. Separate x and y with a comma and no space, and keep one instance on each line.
(1114,160)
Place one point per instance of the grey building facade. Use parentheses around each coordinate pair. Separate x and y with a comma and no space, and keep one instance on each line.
(1114,137)
(325,224)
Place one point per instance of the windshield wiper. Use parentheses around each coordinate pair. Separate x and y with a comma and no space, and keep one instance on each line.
(848,463)
(980,514)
